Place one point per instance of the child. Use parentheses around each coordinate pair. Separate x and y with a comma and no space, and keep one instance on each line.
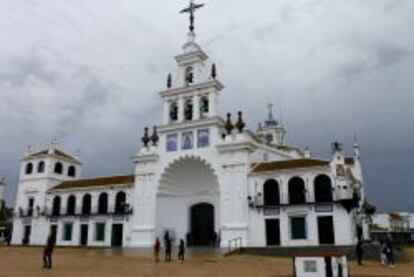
(157,247)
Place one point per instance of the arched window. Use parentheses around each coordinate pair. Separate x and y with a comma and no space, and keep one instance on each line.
(86,204)
(189,76)
(173,111)
(271,193)
(188,109)
(71,171)
(71,207)
(56,206)
(204,106)
(41,167)
(297,193)
(323,189)
(58,168)
(29,168)
(120,201)
(103,203)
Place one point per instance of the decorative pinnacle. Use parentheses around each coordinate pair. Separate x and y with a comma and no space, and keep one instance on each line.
(145,138)
(240,124)
(169,80)
(191,9)
(228,125)
(213,71)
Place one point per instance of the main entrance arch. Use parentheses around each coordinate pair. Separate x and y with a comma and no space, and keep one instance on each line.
(187,202)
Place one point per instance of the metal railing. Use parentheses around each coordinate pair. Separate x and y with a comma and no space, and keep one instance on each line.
(235,244)
(91,214)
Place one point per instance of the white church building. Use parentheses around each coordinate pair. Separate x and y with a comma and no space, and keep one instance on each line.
(201,177)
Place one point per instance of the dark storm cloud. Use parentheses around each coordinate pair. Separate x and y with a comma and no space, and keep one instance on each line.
(89,72)
(389,55)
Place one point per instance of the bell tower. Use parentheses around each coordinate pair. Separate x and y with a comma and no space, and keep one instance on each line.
(192,92)
(271,131)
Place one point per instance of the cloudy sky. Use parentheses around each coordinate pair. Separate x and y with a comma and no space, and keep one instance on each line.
(88,73)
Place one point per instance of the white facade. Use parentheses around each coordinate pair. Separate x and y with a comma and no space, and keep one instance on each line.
(198,176)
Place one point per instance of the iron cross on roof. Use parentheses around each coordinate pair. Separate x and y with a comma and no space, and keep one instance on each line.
(191,9)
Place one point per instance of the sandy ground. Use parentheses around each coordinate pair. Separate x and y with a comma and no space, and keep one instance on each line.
(18,262)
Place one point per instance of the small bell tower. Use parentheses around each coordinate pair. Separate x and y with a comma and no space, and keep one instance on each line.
(271,131)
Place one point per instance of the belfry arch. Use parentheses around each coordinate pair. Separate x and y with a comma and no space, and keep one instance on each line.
(187,187)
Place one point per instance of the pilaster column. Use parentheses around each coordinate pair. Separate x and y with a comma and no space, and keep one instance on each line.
(196,107)
(212,105)
(180,109)
(166,111)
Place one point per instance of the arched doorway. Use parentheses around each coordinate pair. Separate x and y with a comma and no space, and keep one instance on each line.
(202,225)
(188,202)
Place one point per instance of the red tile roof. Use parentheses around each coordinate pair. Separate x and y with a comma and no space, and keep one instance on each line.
(96,182)
(288,164)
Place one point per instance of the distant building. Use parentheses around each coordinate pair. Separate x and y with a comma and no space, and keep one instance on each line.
(3,211)
(399,226)
(2,187)
(199,176)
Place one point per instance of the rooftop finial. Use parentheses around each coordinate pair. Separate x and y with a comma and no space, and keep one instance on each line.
(270,119)
(191,9)
(356,147)
(270,107)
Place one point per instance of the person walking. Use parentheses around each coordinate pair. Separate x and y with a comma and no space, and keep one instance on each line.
(359,252)
(48,251)
(166,237)
(168,250)
(157,247)
(390,253)
(181,251)
(383,255)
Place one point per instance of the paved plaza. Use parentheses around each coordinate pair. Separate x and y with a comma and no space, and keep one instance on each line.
(19,261)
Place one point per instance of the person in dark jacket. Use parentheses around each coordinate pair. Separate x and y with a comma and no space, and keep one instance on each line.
(48,251)
(181,250)
(168,250)
(359,252)
(390,253)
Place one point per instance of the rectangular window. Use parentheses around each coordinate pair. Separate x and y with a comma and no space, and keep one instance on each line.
(67,231)
(100,232)
(203,138)
(309,266)
(172,142)
(187,140)
(298,227)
